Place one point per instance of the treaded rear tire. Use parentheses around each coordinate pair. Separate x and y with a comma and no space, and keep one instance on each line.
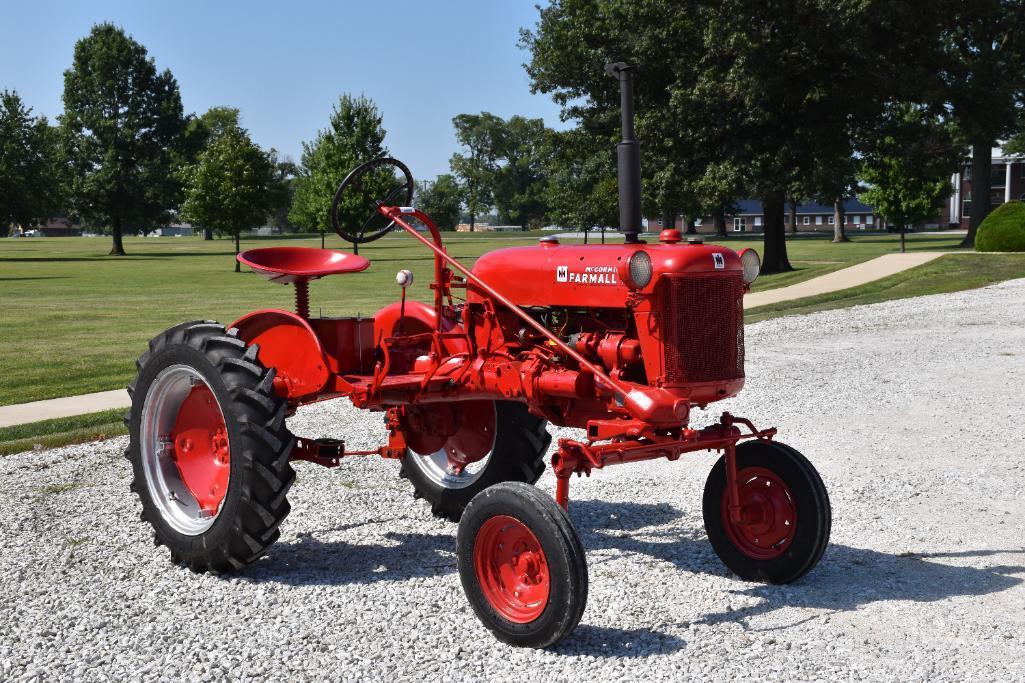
(255,503)
(521,443)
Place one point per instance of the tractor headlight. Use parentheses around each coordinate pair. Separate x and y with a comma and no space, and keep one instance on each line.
(752,264)
(638,269)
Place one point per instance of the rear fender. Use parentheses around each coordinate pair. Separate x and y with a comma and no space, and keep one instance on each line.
(419,318)
(288,344)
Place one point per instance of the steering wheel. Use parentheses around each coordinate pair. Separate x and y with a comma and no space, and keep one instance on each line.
(367,187)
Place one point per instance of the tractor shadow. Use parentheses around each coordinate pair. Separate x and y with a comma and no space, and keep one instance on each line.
(399,556)
(846,578)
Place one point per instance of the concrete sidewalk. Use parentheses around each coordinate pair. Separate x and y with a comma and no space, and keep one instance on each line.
(876,269)
(860,274)
(68,406)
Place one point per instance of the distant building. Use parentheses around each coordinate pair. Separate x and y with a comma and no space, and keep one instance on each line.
(173,230)
(1006,182)
(487,227)
(59,227)
(748,216)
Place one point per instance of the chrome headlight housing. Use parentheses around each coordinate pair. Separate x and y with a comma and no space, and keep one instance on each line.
(752,264)
(638,270)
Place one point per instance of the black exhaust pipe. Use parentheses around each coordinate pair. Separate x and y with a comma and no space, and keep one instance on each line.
(628,154)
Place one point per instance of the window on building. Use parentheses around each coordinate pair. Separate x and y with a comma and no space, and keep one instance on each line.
(967,171)
(999,175)
(818,220)
(697,222)
(868,221)
(857,220)
(832,220)
(758,221)
(966,207)
(807,220)
(739,223)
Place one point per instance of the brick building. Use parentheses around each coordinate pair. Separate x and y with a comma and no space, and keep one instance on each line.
(748,216)
(1006,182)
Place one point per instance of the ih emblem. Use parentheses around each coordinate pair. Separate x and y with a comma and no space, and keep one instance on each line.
(562,274)
(718,260)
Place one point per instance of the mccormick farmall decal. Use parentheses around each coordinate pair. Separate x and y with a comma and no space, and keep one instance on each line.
(591,275)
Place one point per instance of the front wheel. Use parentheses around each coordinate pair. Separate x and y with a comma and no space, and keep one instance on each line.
(522,565)
(785,515)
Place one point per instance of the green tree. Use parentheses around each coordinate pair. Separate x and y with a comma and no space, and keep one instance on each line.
(520,182)
(441,199)
(479,135)
(199,132)
(984,84)
(30,172)
(908,166)
(582,191)
(123,122)
(231,186)
(354,136)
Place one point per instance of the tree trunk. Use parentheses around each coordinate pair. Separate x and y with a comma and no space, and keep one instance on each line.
(692,228)
(208,233)
(903,230)
(238,266)
(118,248)
(774,258)
(668,218)
(793,217)
(322,234)
(719,222)
(982,168)
(839,216)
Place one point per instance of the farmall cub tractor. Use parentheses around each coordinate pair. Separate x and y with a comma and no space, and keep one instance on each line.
(621,341)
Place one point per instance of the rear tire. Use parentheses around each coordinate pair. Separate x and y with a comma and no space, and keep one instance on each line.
(522,566)
(787,508)
(520,444)
(242,520)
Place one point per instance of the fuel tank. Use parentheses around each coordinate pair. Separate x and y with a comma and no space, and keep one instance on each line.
(590,275)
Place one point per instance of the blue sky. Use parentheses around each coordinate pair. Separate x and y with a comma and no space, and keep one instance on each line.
(285,63)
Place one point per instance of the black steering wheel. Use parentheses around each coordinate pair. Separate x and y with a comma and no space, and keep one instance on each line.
(354,214)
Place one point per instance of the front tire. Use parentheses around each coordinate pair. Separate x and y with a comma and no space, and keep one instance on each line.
(209,447)
(518,442)
(786,514)
(522,566)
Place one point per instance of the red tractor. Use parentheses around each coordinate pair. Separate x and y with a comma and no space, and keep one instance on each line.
(621,341)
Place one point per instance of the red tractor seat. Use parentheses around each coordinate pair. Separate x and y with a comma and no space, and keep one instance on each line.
(288,265)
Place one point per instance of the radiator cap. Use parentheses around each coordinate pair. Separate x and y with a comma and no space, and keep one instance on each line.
(669,236)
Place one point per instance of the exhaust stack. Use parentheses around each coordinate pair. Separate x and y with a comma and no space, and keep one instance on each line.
(628,153)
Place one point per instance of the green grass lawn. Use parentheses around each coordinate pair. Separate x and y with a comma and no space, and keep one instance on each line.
(951,273)
(74,320)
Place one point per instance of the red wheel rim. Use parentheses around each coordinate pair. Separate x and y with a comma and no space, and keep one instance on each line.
(201,451)
(767,511)
(512,569)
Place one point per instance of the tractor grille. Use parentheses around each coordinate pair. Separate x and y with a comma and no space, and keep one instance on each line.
(703,327)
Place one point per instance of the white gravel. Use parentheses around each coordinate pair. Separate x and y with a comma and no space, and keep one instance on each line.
(910,409)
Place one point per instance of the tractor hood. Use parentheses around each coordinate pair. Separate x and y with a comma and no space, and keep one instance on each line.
(587,275)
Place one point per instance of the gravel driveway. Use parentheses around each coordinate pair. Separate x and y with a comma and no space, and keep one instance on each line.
(910,409)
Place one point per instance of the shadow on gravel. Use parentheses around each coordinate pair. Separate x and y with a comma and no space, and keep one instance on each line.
(601,641)
(848,578)
(309,561)
(845,579)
